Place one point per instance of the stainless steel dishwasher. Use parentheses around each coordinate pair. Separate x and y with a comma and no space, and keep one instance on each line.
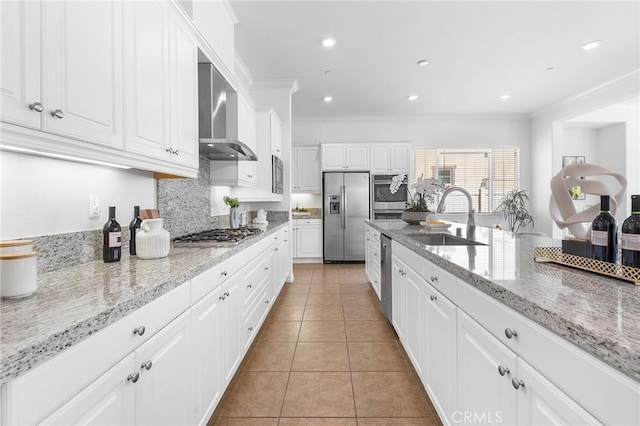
(385,272)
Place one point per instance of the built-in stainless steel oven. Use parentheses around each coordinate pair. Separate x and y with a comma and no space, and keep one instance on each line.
(277,177)
(384,204)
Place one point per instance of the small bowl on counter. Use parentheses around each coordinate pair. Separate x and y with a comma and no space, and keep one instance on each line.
(15,246)
(18,274)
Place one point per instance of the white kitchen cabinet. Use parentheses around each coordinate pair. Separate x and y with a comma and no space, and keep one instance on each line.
(307,176)
(414,311)
(276,134)
(234,173)
(373,258)
(231,329)
(161,68)
(110,400)
(390,158)
(280,261)
(397,296)
(163,388)
(77,46)
(439,354)
(246,122)
(349,156)
(481,387)
(20,65)
(307,238)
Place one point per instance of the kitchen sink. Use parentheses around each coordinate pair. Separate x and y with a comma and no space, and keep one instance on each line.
(443,240)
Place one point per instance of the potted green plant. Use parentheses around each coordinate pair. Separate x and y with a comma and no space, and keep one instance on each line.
(515,212)
(234,215)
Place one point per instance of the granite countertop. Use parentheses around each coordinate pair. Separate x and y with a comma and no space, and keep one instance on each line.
(75,302)
(598,314)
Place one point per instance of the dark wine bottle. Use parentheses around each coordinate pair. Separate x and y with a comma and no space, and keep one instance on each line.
(631,235)
(112,244)
(134,227)
(604,233)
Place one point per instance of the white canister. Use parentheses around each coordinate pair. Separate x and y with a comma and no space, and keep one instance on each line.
(152,242)
(18,274)
(15,246)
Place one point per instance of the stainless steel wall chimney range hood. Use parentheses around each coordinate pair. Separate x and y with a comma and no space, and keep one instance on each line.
(218,117)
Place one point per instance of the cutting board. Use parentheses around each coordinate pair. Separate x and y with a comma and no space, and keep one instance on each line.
(149,214)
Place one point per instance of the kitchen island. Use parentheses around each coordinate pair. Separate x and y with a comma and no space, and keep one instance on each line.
(84,319)
(525,306)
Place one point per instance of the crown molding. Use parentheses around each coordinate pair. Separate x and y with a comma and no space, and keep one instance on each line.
(232,13)
(291,85)
(413,118)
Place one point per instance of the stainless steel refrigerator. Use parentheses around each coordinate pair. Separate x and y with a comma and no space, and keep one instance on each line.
(346,207)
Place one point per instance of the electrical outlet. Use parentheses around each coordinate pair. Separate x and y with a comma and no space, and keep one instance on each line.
(94,206)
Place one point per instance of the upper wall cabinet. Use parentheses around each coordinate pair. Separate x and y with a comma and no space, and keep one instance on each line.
(161,64)
(78,47)
(349,156)
(306,169)
(390,158)
(215,21)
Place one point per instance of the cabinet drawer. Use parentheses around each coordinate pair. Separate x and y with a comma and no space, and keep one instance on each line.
(254,280)
(256,313)
(582,376)
(39,392)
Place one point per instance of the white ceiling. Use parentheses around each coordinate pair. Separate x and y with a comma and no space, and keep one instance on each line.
(477,50)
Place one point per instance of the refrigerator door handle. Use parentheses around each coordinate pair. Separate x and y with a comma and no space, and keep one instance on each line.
(344,207)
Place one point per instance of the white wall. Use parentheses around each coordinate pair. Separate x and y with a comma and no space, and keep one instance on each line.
(42,196)
(547,146)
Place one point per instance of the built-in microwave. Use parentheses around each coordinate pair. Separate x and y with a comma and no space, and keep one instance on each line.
(385,204)
(277,175)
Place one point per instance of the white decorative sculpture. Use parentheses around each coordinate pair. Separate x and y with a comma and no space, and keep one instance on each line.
(563,211)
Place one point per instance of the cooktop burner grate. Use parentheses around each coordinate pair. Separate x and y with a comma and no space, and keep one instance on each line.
(218,236)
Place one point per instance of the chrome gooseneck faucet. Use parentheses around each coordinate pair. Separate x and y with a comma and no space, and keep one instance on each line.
(471,222)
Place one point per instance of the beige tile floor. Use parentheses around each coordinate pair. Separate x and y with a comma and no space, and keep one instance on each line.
(326,356)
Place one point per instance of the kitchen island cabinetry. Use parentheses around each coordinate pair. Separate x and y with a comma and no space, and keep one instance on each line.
(349,156)
(71,85)
(390,158)
(483,359)
(372,256)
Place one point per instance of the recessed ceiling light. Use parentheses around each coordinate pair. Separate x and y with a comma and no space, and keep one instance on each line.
(327,98)
(412,97)
(328,42)
(550,69)
(591,45)
(327,72)
(422,62)
(505,97)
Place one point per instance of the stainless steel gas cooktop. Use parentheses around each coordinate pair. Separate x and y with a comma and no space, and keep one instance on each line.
(217,237)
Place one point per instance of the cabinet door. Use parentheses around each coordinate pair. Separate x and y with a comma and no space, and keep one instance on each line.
(276,135)
(307,175)
(232,328)
(206,354)
(285,260)
(20,65)
(107,401)
(309,241)
(247,173)
(357,156)
(397,296)
(482,391)
(163,391)
(147,79)
(83,71)
(541,403)
(413,308)
(246,122)
(439,359)
(400,158)
(333,157)
(380,158)
(184,94)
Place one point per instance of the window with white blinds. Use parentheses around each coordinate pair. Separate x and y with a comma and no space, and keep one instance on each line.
(488,174)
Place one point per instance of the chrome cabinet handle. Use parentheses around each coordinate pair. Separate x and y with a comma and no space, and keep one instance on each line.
(36,106)
(221,298)
(510,333)
(250,176)
(433,298)
(250,328)
(226,293)
(57,113)
(517,383)
(503,370)
(266,268)
(275,249)
(223,273)
(139,330)
(176,152)
(286,241)
(434,279)
(401,271)
(147,365)
(249,286)
(133,377)
(266,301)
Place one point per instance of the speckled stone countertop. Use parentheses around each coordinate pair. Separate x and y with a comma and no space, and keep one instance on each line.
(75,302)
(598,314)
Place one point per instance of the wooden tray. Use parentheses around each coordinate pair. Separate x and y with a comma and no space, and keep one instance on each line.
(555,255)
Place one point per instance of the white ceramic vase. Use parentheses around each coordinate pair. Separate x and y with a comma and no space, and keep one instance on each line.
(234,218)
(152,241)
